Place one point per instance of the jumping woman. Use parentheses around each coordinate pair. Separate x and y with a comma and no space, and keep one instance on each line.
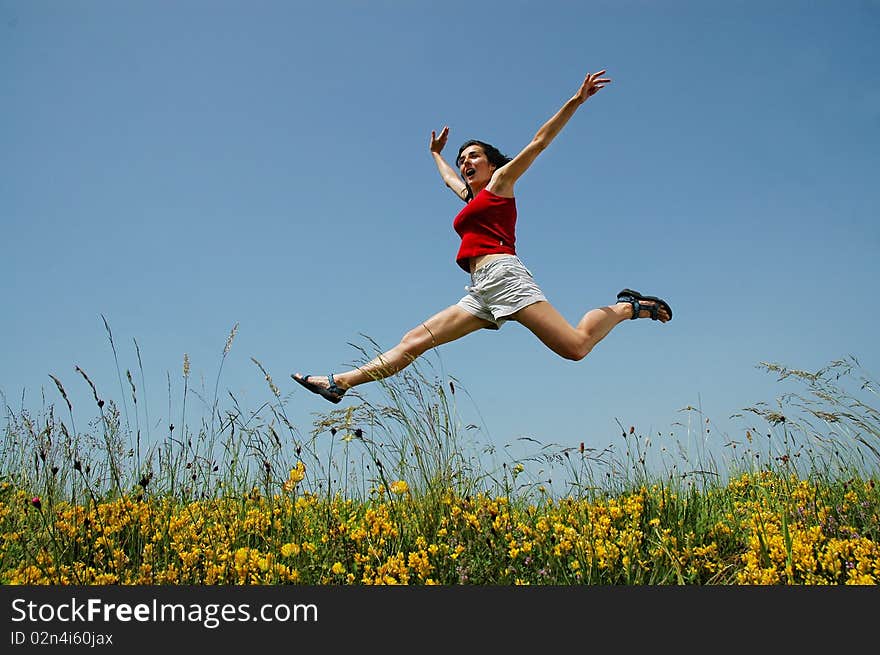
(502,288)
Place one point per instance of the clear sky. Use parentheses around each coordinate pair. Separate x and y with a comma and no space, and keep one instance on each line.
(183,167)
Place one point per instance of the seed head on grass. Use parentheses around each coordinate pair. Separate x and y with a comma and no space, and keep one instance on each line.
(268,377)
(63,392)
(131,384)
(92,385)
(229,339)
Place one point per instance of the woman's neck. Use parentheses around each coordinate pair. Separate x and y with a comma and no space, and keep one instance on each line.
(476,188)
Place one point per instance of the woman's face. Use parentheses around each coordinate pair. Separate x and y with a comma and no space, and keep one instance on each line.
(474,167)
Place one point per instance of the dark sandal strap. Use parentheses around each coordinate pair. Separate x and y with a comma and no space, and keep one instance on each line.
(633,297)
(653,310)
(637,308)
(332,388)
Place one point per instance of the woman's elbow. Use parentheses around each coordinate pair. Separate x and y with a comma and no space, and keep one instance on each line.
(540,142)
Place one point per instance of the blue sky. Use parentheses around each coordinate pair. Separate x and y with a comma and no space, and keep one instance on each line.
(183,167)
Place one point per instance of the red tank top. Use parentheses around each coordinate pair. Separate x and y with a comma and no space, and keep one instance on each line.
(486,226)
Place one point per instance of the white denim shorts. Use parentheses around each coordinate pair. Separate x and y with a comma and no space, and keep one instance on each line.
(500,288)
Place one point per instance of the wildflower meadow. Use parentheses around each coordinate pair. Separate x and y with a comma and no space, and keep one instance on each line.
(400,492)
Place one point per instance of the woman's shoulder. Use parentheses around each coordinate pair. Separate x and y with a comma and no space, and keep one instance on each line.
(499,186)
(506,194)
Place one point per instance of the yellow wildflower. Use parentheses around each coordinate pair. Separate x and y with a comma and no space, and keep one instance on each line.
(399,487)
(290,550)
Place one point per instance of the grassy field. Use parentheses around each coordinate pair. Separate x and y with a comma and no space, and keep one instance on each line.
(399,493)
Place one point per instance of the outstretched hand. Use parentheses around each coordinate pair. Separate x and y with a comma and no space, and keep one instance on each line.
(592,83)
(439,142)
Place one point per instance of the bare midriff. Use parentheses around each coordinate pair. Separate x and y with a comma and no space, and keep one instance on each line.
(477,263)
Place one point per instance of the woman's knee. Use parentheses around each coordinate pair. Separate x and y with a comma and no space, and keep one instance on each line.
(416,341)
(574,351)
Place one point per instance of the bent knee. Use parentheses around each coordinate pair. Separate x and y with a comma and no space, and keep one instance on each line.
(416,341)
(574,352)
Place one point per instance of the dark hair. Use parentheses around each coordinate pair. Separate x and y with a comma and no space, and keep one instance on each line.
(493,154)
(495,157)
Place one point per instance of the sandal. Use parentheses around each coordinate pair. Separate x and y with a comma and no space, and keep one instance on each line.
(333,393)
(633,297)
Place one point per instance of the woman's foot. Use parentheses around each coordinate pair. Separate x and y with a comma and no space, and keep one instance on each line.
(645,311)
(640,306)
(325,386)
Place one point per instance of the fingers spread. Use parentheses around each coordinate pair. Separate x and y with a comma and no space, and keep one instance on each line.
(595,78)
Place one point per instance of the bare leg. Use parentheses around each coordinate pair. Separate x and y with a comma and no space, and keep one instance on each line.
(448,325)
(575,342)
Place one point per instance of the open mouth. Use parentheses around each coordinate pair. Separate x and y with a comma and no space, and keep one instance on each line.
(470,172)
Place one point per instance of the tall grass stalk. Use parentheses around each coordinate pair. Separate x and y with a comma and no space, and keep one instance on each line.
(118,369)
(146,407)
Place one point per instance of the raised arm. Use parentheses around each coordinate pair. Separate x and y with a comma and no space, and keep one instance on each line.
(449,174)
(504,178)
